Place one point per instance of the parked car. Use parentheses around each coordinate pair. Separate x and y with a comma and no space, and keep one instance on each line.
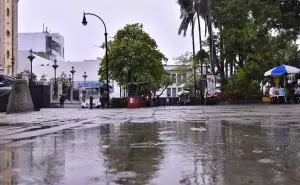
(7,80)
(4,96)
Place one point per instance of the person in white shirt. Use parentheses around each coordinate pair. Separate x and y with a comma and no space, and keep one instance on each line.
(271,91)
(271,94)
(297,90)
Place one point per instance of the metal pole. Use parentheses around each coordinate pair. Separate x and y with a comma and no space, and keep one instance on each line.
(106,57)
(84,22)
(55,82)
(12,66)
(31,70)
(72,80)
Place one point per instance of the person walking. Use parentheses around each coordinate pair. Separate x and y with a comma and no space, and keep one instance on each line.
(167,102)
(62,100)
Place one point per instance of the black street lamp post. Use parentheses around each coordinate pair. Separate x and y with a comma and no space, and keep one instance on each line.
(55,66)
(31,57)
(84,77)
(84,22)
(72,72)
(12,66)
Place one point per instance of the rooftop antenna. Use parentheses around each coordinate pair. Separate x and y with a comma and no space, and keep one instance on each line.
(43,27)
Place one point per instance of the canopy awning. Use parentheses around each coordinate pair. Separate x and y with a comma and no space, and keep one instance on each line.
(183,92)
(280,70)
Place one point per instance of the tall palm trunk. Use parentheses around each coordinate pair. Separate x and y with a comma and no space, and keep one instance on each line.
(200,41)
(194,57)
(211,50)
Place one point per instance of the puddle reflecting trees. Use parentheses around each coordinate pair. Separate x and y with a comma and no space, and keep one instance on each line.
(133,156)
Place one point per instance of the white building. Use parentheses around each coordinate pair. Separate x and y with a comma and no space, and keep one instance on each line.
(179,79)
(176,77)
(42,66)
(47,45)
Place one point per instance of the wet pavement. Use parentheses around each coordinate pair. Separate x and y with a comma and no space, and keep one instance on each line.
(218,145)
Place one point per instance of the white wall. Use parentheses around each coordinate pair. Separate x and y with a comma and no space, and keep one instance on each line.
(34,41)
(43,66)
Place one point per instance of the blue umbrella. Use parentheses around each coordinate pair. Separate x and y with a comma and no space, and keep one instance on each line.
(283,69)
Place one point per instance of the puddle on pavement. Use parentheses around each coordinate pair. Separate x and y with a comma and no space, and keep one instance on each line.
(219,153)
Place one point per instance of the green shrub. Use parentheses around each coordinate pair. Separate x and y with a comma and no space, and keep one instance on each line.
(243,85)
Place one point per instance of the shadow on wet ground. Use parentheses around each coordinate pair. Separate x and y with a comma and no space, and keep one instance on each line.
(164,152)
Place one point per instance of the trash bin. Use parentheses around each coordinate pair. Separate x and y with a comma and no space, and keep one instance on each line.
(132,95)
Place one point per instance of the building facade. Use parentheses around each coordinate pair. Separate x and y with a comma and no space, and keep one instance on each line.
(179,79)
(44,44)
(43,67)
(8,36)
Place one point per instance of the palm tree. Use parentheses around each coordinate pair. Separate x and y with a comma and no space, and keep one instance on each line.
(188,13)
(199,8)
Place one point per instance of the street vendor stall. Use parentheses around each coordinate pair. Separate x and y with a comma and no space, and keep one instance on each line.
(184,97)
(279,92)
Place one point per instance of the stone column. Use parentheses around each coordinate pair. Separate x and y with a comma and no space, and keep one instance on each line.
(51,91)
(71,94)
(80,94)
(25,76)
(43,80)
(59,88)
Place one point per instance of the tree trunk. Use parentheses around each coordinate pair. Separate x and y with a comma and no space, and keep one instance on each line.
(211,58)
(194,56)
(226,68)
(200,41)
(221,70)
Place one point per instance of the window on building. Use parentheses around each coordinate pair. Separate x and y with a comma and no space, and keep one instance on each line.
(7,33)
(7,54)
(7,12)
(184,78)
(179,89)
(178,78)
(173,92)
(174,78)
(169,92)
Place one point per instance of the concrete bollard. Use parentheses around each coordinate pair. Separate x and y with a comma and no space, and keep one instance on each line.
(20,98)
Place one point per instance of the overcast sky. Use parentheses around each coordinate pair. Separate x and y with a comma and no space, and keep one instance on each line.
(160,19)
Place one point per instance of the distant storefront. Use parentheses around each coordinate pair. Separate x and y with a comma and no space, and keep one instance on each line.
(91,84)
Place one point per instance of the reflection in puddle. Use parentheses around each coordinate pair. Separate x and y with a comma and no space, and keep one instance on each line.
(157,153)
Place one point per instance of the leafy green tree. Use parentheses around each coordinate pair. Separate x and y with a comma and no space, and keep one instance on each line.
(294,59)
(134,57)
(244,84)
(186,68)
(65,80)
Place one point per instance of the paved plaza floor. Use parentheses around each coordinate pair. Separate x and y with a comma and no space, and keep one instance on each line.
(211,145)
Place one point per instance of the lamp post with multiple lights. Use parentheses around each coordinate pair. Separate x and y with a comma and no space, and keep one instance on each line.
(84,22)
(84,77)
(72,83)
(73,72)
(31,57)
(55,66)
